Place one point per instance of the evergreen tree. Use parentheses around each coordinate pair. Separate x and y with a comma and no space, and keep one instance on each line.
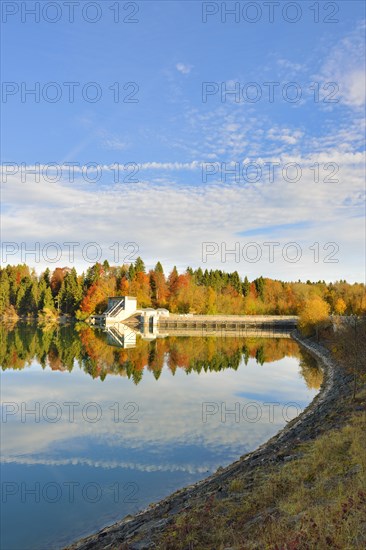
(140,266)
(19,300)
(46,275)
(93,275)
(48,302)
(4,291)
(27,297)
(206,278)
(71,293)
(106,266)
(246,286)
(259,286)
(158,286)
(41,292)
(131,272)
(153,285)
(235,281)
(198,276)
(159,268)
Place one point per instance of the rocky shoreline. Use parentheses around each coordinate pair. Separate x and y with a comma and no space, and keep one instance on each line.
(142,531)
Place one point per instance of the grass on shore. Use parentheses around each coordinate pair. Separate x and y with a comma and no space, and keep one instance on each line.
(316,500)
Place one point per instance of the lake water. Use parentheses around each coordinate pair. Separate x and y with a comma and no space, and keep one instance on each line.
(96,426)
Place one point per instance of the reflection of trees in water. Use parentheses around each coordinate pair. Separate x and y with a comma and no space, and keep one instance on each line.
(53,346)
(61,347)
(310,370)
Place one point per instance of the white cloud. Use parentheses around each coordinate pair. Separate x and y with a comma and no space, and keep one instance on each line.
(183,68)
(171,221)
(356,89)
(345,65)
(286,64)
(114,144)
(180,414)
(285,135)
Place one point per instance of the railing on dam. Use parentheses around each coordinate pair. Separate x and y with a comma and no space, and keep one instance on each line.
(229,322)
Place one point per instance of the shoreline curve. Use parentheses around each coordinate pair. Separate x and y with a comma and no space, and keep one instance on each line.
(139,531)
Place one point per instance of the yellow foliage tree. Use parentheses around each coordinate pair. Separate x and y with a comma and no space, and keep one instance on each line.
(315,311)
(340,306)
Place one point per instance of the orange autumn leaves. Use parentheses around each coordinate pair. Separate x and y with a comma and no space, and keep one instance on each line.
(24,293)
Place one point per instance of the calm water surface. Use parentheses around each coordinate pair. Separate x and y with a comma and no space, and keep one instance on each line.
(96,426)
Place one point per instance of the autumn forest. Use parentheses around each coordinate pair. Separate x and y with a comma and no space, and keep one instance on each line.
(65,292)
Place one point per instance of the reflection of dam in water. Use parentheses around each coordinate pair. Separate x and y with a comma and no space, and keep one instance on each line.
(122,322)
(124,336)
(121,336)
(151,323)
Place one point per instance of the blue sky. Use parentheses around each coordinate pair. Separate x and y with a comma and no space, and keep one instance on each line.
(183,153)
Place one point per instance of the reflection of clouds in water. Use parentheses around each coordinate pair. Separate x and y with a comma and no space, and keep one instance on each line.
(170,410)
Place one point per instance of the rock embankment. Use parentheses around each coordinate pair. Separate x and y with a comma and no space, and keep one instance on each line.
(327,410)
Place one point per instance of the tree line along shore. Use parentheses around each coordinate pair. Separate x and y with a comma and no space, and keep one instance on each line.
(64,292)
